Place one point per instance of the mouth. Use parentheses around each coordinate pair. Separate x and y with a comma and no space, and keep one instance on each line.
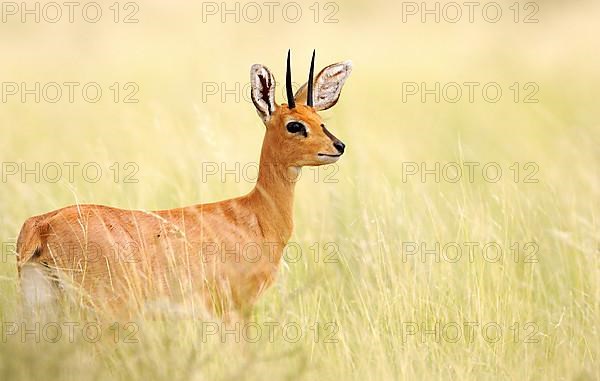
(328,158)
(328,155)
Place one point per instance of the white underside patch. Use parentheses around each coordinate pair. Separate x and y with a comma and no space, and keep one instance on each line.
(40,294)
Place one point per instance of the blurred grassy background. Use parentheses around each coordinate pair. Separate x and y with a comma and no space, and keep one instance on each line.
(370,292)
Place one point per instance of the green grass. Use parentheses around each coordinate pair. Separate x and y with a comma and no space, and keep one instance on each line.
(356,310)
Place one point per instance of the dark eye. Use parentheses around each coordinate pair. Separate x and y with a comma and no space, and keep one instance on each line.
(296,127)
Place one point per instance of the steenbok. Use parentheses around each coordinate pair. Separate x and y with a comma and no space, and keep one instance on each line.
(112,254)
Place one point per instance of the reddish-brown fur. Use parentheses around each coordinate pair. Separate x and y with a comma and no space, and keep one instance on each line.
(227,252)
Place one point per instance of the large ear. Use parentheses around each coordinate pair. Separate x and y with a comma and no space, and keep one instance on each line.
(328,86)
(263,91)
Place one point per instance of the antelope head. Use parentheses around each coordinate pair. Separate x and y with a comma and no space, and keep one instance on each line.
(296,135)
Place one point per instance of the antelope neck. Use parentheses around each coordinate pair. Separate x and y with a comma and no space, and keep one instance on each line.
(273,195)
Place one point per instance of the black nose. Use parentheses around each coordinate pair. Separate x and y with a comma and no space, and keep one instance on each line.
(339,146)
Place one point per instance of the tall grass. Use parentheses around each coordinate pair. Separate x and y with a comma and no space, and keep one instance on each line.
(366,305)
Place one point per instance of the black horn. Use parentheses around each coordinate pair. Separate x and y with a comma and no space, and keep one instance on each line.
(288,83)
(311,73)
